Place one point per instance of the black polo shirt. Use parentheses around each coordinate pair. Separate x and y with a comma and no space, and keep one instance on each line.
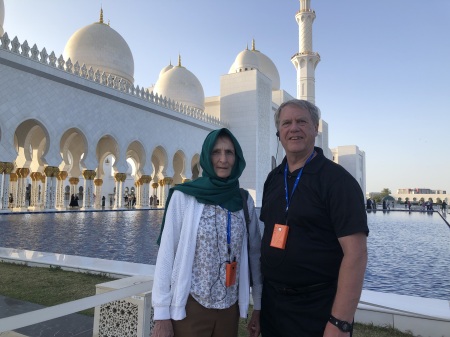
(327,204)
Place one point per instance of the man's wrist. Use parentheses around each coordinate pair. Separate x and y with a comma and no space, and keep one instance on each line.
(344,326)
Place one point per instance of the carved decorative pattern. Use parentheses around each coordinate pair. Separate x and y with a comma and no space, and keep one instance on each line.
(103,78)
(118,319)
(15,45)
(61,62)
(84,71)
(76,68)
(35,53)
(52,59)
(5,41)
(44,56)
(25,49)
(69,65)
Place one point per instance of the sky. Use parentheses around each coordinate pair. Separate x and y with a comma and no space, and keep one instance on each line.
(383,82)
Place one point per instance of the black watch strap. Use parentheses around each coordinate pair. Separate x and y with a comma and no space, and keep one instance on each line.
(341,325)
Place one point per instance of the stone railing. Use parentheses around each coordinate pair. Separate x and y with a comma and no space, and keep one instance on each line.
(103,78)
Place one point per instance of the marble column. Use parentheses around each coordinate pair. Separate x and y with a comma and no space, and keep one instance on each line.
(166,183)
(36,178)
(20,195)
(98,193)
(51,172)
(60,192)
(119,197)
(7,168)
(73,188)
(12,190)
(154,194)
(144,191)
(88,191)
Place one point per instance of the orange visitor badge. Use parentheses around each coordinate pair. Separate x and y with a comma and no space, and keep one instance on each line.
(279,236)
(230,278)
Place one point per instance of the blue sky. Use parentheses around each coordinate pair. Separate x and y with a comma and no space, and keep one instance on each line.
(382,83)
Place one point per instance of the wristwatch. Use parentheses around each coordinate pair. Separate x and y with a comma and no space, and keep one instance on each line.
(341,325)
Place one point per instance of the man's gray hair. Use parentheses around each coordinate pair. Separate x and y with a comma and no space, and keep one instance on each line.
(302,104)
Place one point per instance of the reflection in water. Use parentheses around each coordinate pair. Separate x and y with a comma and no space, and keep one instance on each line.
(124,236)
(409,253)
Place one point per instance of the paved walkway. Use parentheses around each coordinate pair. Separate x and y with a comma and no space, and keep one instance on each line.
(74,325)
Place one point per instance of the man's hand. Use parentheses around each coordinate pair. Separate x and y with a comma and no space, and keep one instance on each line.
(253,326)
(162,328)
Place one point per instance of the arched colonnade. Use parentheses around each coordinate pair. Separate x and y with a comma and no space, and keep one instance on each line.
(51,166)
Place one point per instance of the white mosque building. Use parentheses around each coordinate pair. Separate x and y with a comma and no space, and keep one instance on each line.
(77,124)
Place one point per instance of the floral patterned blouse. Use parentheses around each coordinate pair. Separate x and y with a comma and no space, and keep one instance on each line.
(211,256)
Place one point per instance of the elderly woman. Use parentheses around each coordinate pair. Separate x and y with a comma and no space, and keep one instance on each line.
(208,254)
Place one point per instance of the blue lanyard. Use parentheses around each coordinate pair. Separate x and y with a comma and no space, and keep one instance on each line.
(286,188)
(229,229)
(228,233)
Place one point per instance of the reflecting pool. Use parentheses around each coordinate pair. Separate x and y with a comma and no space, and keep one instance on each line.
(409,253)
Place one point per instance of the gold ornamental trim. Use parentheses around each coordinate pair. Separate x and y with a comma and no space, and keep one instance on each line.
(51,171)
(98,182)
(13,177)
(155,185)
(22,172)
(168,181)
(146,179)
(36,176)
(120,177)
(62,175)
(8,168)
(89,174)
(74,181)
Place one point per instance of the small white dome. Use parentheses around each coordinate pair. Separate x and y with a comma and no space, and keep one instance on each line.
(254,59)
(182,86)
(101,47)
(163,70)
(246,60)
(2,17)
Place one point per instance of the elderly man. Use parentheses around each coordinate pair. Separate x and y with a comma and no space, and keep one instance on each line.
(314,246)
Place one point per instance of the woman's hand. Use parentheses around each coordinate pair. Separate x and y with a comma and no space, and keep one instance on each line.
(253,326)
(162,328)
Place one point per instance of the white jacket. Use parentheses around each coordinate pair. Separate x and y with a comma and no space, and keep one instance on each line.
(172,280)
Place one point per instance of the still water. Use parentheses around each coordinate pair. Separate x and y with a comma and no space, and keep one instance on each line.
(409,253)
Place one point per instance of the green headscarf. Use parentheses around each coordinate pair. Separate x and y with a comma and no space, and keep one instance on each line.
(211,189)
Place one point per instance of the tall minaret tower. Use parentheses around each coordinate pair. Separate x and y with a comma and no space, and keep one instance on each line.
(305,61)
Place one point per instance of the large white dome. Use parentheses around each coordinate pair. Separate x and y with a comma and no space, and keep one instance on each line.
(2,17)
(179,84)
(101,47)
(254,59)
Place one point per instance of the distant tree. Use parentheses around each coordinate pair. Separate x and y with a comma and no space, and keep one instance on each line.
(438,201)
(430,200)
(399,199)
(422,199)
(406,199)
(414,199)
(385,192)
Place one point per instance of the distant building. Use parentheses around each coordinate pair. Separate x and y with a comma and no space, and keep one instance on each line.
(354,161)
(416,194)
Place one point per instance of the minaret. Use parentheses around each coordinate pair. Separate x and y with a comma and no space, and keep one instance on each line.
(305,61)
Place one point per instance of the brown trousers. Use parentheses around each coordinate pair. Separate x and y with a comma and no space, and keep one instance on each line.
(204,322)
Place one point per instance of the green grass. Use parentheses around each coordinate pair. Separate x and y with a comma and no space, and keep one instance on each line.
(52,286)
(47,286)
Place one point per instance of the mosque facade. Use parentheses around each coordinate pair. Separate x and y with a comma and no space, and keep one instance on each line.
(78,125)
